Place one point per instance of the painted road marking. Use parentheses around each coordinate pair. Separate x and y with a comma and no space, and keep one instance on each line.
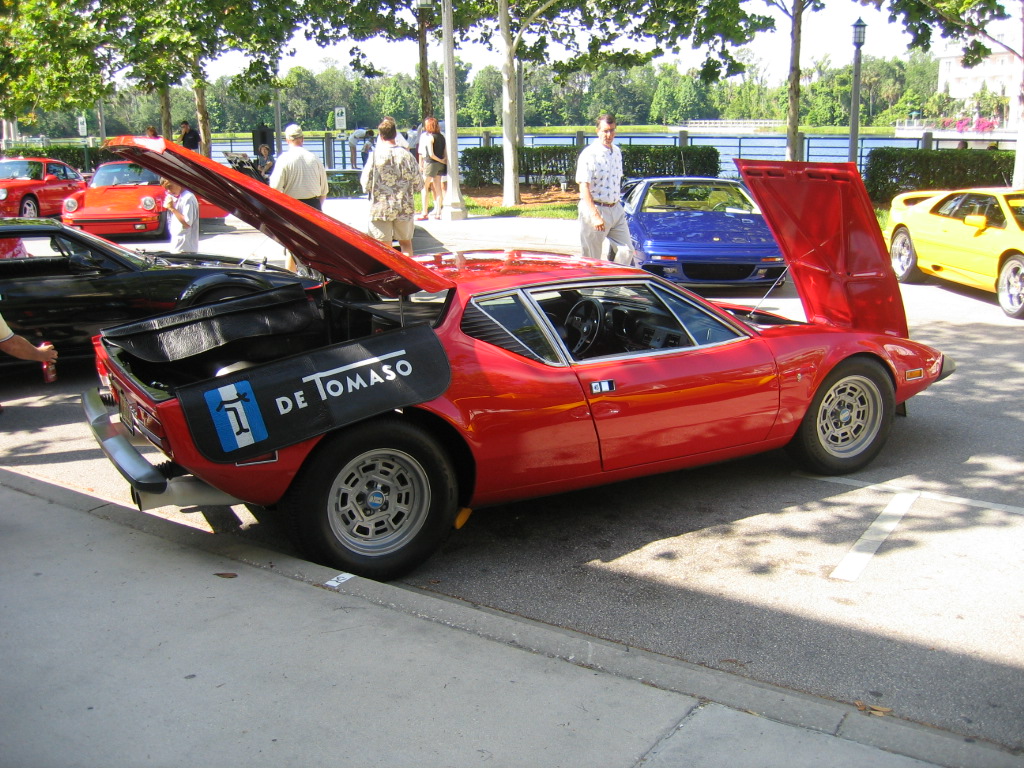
(893,488)
(857,559)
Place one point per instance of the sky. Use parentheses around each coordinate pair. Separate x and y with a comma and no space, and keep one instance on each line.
(828,32)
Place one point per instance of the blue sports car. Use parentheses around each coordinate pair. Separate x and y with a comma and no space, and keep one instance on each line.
(701,232)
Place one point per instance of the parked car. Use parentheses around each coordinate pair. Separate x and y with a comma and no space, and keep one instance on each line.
(377,412)
(125,199)
(61,285)
(36,186)
(973,237)
(700,232)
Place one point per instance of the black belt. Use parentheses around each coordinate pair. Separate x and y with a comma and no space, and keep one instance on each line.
(606,205)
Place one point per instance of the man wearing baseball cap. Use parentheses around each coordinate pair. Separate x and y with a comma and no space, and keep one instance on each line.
(299,174)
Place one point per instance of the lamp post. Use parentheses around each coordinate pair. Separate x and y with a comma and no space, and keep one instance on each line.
(858,42)
(454,205)
(423,8)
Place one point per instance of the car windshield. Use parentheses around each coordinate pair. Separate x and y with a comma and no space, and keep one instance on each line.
(1016,205)
(134,257)
(123,174)
(21,169)
(699,196)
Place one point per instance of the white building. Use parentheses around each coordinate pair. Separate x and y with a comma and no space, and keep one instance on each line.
(1001,73)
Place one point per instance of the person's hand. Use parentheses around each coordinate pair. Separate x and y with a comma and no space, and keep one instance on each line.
(169,201)
(47,353)
(598,221)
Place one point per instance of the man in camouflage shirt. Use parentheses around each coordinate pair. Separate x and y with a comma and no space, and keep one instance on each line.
(390,176)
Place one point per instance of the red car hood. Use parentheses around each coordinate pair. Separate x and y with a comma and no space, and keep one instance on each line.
(318,241)
(826,227)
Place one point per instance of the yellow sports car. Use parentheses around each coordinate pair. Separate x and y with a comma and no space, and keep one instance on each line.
(969,236)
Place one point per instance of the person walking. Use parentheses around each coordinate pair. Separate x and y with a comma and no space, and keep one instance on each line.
(599,175)
(390,178)
(184,221)
(433,165)
(21,348)
(299,174)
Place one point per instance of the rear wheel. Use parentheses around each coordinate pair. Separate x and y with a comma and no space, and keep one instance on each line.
(1010,287)
(29,208)
(375,500)
(904,258)
(848,421)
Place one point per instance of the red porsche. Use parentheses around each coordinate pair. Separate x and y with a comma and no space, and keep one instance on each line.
(124,198)
(380,408)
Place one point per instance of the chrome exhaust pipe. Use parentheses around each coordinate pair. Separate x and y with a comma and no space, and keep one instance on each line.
(184,492)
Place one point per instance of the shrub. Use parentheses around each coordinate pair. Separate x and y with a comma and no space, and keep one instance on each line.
(485,165)
(892,170)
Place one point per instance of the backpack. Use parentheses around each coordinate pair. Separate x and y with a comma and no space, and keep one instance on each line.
(439,146)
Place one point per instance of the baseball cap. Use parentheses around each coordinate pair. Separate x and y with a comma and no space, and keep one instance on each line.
(293,132)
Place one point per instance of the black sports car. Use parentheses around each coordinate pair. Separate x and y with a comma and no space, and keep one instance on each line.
(61,285)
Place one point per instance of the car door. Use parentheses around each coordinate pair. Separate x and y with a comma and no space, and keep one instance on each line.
(79,292)
(673,379)
(931,231)
(65,181)
(972,252)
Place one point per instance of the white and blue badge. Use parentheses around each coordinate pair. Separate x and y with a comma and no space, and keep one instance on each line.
(236,416)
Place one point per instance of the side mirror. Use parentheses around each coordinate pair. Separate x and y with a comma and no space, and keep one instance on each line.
(50,178)
(977,221)
(85,262)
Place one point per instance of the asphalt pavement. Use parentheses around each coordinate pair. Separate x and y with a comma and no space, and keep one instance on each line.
(131,640)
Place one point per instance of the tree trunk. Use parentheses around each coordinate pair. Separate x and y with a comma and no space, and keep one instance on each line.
(509,114)
(793,114)
(204,118)
(1018,157)
(166,129)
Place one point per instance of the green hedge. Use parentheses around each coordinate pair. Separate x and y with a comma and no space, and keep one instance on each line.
(538,165)
(73,156)
(892,170)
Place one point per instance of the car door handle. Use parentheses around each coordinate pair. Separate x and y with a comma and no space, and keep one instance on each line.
(599,387)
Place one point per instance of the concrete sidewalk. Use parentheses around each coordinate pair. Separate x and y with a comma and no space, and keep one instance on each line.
(128,640)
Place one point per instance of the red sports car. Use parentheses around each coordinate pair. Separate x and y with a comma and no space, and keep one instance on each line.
(124,198)
(378,410)
(35,186)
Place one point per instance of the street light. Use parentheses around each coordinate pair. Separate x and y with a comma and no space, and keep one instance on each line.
(423,8)
(859,28)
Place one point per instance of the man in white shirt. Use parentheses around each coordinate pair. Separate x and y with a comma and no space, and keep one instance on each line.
(299,174)
(183,224)
(599,174)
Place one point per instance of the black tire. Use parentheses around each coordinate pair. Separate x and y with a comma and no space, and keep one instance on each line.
(904,258)
(161,232)
(375,500)
(848,421)
(1010,287)
(29,208)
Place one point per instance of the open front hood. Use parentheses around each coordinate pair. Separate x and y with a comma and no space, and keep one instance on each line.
(826,227)
(318,241)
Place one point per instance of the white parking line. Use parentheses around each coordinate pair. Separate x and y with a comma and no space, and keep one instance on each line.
(857,559)
(892,488)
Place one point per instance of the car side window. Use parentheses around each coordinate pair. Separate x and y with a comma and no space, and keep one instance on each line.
(948,206)
(506,322)
(703,327)
(976,204)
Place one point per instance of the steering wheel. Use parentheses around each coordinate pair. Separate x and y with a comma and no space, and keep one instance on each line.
(722,206)
(585,319)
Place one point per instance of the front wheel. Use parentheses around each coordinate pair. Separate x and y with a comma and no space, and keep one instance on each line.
(848,421)
(375,500)
(29,208)
(904,258)
(1010,287)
